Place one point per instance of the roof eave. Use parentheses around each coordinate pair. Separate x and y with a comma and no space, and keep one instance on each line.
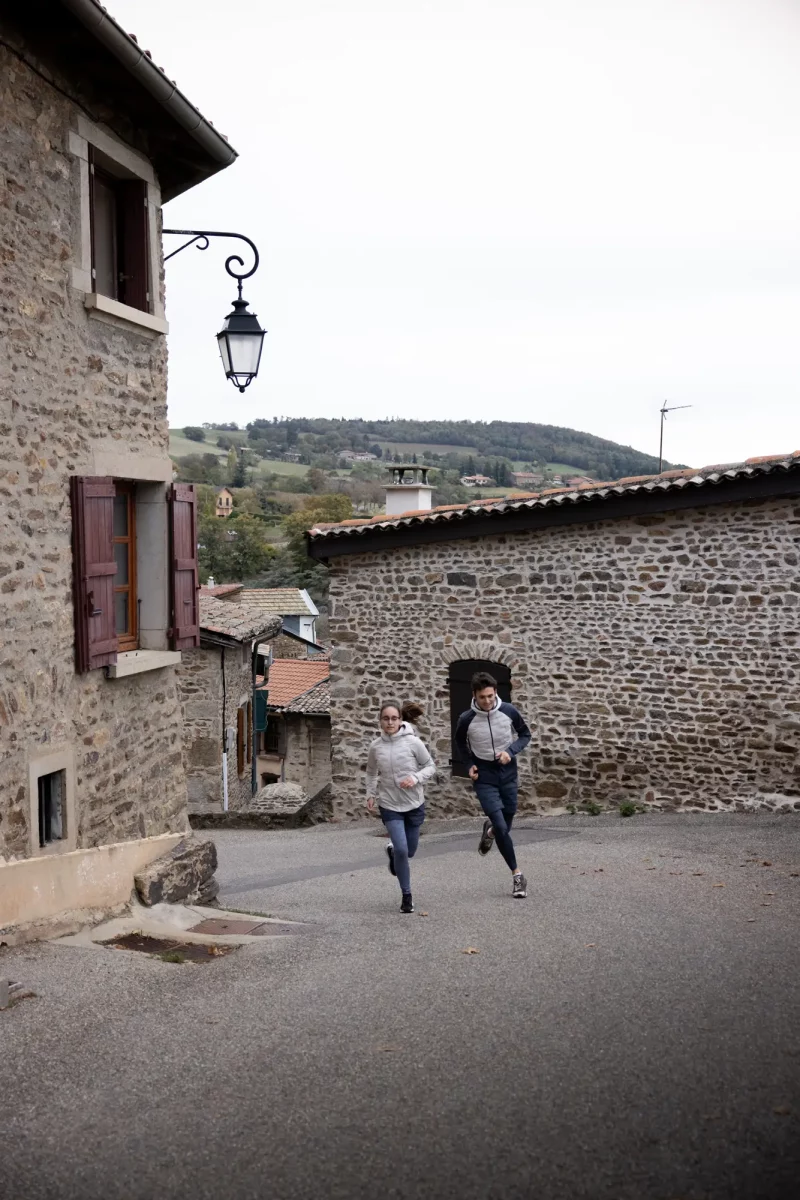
(601,504)
(127,52)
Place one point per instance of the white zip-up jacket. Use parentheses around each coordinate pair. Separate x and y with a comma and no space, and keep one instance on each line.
(393,757)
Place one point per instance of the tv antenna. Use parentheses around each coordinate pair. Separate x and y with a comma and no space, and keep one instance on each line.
(664,410)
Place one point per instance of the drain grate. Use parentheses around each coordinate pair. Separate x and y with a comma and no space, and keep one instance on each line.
(170,951)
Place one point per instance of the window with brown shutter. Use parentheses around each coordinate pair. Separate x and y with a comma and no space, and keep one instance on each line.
(119,233)
(240,741)
(249,721)
(184,585)
(93,572)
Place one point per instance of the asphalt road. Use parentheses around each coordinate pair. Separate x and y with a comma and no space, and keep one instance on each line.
(630,1032)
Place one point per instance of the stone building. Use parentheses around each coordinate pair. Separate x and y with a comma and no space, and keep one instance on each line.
(95,609)
(223,502)
(294,605)
(217,687)
(295,747)
(648,628)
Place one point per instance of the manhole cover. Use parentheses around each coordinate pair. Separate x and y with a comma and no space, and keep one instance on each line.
(217,926)
(170,951)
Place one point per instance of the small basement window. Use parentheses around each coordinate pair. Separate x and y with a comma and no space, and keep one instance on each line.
(52,807)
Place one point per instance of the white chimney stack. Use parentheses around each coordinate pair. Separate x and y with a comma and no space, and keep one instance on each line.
(409,490)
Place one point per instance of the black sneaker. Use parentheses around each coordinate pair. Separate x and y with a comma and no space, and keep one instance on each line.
(408,904)
(389,848)
(487,838)
(520,887)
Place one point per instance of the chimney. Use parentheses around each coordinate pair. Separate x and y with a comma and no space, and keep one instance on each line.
(409,490)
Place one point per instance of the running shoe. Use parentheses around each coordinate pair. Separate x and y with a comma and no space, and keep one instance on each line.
(389,848)
(408,904)
(487,838)
(520,887)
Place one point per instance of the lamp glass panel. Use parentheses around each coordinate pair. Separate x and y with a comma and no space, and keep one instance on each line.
(245,351)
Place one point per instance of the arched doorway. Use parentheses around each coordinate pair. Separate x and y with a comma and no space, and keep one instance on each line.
(460,680)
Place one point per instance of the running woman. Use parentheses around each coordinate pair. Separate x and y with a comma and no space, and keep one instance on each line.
(489,736)
(397,766)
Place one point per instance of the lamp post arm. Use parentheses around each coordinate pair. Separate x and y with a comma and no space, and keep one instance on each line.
(201,236)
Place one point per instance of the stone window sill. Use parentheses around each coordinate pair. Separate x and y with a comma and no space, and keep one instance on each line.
(135,662)
(123,312)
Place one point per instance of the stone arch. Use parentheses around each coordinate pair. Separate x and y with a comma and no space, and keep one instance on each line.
(480,649)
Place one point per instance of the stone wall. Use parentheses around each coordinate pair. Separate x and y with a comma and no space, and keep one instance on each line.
(308,751)
(656,657)
(307,758)
(73,388)
(201,687)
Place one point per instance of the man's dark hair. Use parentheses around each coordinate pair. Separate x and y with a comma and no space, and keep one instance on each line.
(481,680)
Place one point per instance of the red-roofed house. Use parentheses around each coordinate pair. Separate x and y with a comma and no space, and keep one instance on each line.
(296,746)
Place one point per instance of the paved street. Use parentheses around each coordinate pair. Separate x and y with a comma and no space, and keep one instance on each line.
(630,1032)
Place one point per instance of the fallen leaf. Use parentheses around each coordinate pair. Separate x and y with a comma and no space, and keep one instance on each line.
(387,1049)
(470,950)
(698,872)
(588,945)
(769,893)
(794,874)
(750,920)
(764,904)
(766,863)
(651,868)
(598,869)
(676,872)
(423,914)
(718,885)
(782,1110)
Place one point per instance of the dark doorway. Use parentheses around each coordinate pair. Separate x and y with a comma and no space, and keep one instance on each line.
(461,673)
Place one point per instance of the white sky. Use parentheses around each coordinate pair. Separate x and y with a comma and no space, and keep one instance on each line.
(553,210)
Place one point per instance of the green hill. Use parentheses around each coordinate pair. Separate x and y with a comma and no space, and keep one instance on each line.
(519,441)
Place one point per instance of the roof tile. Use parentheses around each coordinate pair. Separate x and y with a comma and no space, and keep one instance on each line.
(669,478)
(290,678)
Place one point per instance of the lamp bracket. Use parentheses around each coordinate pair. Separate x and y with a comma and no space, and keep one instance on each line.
(201,236)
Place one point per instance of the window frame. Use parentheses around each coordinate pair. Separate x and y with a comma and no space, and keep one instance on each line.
(58,760)
(130,252)
(130,640)
(90,140)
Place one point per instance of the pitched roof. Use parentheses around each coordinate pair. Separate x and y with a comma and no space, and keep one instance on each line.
(286,602)
(291,678)
(592,494)
(221,589)
(315,702)
(239,622)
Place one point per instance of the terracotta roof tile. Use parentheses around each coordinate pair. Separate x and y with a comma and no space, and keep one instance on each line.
(289,678)
(675,478)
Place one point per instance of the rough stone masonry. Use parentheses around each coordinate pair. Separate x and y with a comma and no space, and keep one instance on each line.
(70,385)
(656,657)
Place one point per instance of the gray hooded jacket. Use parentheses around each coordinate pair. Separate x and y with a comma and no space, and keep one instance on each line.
(393,757)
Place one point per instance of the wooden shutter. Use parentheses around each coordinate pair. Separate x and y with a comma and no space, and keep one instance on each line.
(249,720)
(461,673)
(184,630)
(240,740)
(134,284)
(93,571)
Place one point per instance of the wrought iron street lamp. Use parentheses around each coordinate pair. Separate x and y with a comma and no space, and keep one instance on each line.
(241,338)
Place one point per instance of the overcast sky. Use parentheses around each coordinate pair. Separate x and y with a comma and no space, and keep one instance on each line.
(553,210)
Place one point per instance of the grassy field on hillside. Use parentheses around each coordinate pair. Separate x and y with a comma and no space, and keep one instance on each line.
(180,447)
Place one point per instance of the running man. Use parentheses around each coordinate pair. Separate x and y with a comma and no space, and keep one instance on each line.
(489,736)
